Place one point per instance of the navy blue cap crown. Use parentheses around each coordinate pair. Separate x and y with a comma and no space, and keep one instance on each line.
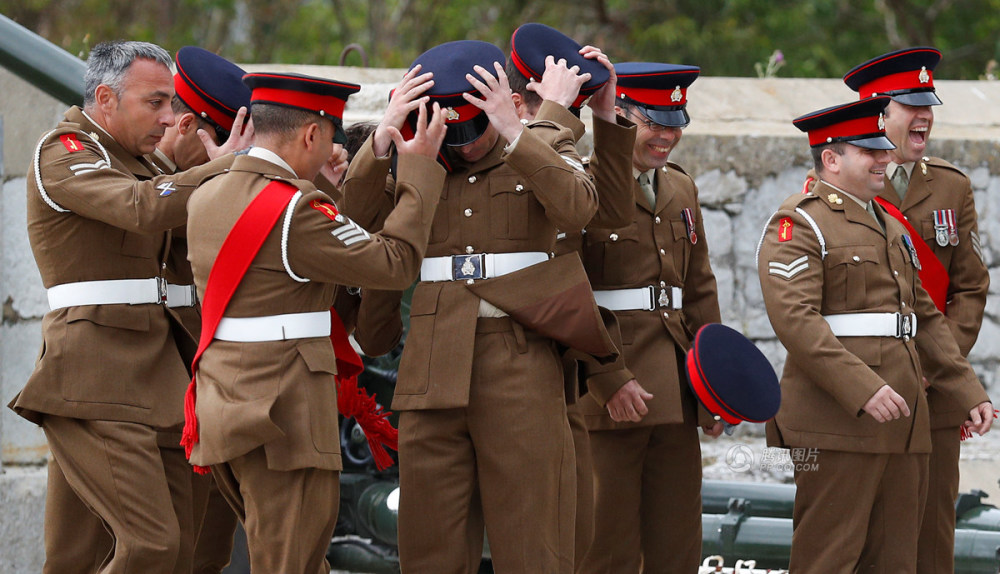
(858,123)
(450,62)
(659,91)
(905,75)
(210,85)
(532,43)
(731,377)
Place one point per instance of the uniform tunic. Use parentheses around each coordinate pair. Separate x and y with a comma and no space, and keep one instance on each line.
(484,409)
(827,380)
(648,474)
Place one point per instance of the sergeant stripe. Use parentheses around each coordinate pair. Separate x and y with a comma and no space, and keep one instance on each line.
(351,233)
(572,162)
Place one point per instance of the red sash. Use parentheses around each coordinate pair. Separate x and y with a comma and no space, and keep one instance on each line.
(238,251)
(933,276)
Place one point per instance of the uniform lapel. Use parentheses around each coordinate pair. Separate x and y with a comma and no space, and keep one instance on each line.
(640,197)
(663,193)
(852,211)
(889,193)
(919,188)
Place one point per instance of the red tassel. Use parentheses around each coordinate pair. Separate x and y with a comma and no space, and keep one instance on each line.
(374,421)
(189,437)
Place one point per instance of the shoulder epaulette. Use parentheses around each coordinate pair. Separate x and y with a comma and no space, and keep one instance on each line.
(938,162)
(674,166)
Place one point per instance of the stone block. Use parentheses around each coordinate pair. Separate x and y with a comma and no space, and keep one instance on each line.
(22,500)
(21,442)
(21,290)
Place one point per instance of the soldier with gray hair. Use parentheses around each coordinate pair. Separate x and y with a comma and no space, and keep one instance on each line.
(109,380)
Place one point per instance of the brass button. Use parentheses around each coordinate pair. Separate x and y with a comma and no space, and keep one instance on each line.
(519,187)
(662,252)
(472,179)
(469,249)
(656,220)
(614,237)
(469,281)
(856,258)
(896,273)
(468,212)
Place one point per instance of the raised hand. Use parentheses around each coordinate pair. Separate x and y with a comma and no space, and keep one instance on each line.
(407,97)
(602,102)
(429,134)
(497,101)
(239,138)
(336,166)
(560,83)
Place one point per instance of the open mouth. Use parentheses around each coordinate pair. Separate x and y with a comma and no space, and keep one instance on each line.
(918,135)
(659,149)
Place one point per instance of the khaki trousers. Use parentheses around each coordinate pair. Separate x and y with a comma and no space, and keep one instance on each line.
(289,516)
(584,486)
(216,525)
(647,483)
(118,470)
(936,545)
(505,461)
(858,513)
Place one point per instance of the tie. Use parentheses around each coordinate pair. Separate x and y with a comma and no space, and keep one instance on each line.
(647,189)
(900,181)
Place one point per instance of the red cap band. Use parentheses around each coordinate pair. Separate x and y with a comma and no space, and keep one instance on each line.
(856,127)
(200,104)
(908,80)
(651,97)
(705,395)
(329,105)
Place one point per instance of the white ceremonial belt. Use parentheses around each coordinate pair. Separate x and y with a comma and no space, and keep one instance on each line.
(640,299)
(898,325)
(110,292)
(477,265)
(274,327)
(181,295)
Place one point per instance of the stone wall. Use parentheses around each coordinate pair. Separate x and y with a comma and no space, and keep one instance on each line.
(741,149)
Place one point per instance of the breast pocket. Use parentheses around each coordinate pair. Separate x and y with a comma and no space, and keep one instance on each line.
(613,250)
(849,271)
(514,211)
(681,246)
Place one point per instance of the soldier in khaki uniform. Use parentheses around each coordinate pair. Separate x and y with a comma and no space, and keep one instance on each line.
(654,273)
(483,429)
(109,377)
(266,398)
(840,282)
(937,199)
(546,86)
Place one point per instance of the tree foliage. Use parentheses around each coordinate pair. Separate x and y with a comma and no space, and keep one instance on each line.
(818,38)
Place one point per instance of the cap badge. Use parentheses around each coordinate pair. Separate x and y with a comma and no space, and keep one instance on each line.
(924,77)
(881,122)
(834,198)
(452,115)
(676,95)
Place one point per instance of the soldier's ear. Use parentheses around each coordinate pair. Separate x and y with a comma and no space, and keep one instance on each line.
(187,122)
(831,160)
(105,98)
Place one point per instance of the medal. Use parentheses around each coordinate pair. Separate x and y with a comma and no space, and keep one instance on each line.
(913,251)
(940,229)
(952,227)
(689,224)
